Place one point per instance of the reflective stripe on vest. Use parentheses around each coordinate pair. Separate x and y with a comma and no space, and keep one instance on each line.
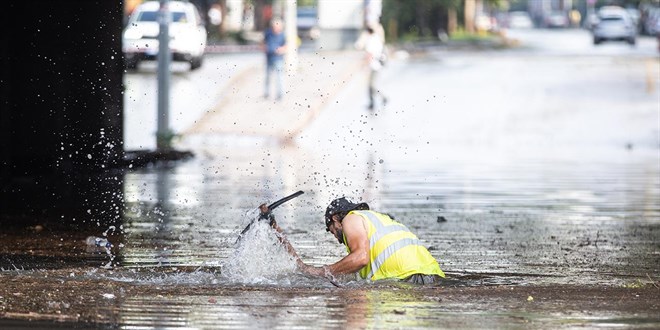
(381,231)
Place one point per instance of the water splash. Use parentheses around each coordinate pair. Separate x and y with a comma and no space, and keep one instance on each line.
(94,244)
(259,258)
(155,277)
(110,228)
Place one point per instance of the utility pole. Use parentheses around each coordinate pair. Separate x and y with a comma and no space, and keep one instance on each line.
(291,33)
(163,133)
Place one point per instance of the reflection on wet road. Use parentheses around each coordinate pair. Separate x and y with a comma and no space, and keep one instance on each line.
(550,219)
(518,183)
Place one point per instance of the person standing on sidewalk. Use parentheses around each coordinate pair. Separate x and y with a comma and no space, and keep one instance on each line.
(372,42)
(274,45)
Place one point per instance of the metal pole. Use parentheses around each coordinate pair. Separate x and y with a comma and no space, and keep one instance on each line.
(291,26)
(163,134)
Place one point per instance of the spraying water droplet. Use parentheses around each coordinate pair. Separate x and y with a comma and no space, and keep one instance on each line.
(259,257)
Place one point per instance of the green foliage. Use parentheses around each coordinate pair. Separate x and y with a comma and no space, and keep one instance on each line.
(307,3)
(518,5)
(407,18)
(497,4)
(462,35)
(624,3)
(422,19)
(238,37)
(456,4)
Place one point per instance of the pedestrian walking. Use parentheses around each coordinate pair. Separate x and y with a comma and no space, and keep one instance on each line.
(274,46)
(372,41)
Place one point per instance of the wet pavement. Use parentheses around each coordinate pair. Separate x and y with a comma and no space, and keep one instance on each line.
(533,176)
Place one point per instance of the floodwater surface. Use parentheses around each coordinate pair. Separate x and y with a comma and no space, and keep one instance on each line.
(515,239)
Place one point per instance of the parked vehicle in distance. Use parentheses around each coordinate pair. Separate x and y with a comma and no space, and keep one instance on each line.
(635,17)
(520,20)
(657,34)
(556,19)
(590,21)
(649,26)
(187,34)
(307,21)
(614,24)
(485,23)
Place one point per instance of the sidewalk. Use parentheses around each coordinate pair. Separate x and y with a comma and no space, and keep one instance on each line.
(243,110)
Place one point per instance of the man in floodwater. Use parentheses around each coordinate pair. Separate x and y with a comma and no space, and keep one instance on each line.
(378,247)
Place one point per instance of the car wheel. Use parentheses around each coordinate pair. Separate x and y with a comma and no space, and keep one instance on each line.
(196,63)
(597,41)
(131,64)
(631,41)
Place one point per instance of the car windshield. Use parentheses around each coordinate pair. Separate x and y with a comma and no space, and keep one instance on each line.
(611,19)
(152,16)
(307,15)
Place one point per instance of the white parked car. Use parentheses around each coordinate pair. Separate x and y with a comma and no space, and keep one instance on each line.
(614,23)
(308,23)
(520,20)
(657,33)
(557,19)
(187,34)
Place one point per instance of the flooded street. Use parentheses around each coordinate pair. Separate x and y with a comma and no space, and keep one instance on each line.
(531,174)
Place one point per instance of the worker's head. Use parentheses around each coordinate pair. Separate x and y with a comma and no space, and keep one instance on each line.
(276,25)
(335,213)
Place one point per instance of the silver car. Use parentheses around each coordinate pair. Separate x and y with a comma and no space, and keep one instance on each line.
(187,34)
(520,20)
(614,23)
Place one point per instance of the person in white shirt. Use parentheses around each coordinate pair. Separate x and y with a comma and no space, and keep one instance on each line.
(373,44)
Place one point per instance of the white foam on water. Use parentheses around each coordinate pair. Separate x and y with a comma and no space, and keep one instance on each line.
(259,258)
(155,277)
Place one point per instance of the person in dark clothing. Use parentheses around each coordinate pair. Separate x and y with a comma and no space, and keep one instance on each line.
(274,45)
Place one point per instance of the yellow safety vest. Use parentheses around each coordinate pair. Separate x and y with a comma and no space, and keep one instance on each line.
(394,251)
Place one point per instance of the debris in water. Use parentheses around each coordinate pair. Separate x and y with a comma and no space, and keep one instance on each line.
(108,296)
(530,298)
(441,219)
